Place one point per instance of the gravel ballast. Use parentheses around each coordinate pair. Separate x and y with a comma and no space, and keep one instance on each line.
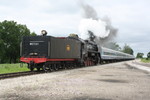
(115,81)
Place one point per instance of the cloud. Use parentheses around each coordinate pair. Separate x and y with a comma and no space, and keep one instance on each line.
(62,17)
(132,19)
(56,17)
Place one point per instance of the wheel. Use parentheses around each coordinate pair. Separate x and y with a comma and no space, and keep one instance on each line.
(50,68)
(55,67)
(86,63)
(72,65)
(64,66)
(68,66)
(30,67)
(38,69)
(44,68)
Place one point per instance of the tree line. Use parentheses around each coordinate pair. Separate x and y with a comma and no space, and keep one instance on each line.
(140,55)
(10,38)
(126,48)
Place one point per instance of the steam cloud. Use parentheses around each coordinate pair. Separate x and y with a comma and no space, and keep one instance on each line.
(100,27)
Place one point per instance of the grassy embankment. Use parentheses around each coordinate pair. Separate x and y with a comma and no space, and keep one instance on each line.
(145,60)
(10,68)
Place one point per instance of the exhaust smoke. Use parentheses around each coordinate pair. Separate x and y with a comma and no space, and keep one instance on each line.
(101,28)
(98,27)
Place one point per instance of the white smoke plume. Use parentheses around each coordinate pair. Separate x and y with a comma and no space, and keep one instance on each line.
(100,27)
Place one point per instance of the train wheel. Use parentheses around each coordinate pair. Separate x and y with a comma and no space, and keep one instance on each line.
(50,68)
(71,66)
(64,66)
(55,67)
(59,66)
(44,68)
(38,69)
(90,63)
(67,66)
(31,68)
(75,65)
(85,63)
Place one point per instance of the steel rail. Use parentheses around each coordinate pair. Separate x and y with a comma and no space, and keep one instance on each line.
(18,74)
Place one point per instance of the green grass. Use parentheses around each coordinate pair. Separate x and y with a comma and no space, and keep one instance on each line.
(145,60)
(10,68)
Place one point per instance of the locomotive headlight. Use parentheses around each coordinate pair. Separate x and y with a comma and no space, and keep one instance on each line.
(43,32)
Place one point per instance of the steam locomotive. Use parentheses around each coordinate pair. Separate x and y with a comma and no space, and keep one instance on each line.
(52,53)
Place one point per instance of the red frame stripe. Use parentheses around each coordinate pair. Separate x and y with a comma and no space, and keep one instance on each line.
(42,60)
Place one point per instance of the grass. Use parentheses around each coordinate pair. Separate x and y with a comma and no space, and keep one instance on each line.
(10,68)
(145,60)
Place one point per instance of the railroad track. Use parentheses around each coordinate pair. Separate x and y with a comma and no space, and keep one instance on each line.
(18,74)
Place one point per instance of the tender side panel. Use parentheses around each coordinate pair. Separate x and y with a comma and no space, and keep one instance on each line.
(35,46)
(65,48)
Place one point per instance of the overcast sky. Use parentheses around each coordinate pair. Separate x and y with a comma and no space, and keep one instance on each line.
(62,17)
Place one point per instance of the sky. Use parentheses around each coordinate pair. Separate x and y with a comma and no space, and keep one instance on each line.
(62,17)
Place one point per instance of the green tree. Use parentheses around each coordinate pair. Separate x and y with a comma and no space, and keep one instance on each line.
(2,51)
(148,55)
(139,55)
(127,49)
(10,38)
